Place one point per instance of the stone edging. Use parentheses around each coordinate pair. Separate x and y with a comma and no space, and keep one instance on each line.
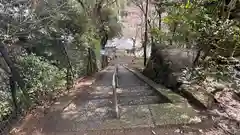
(173,97)
(201,99)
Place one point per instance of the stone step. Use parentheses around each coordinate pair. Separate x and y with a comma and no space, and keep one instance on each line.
(140,116)
(122,101)
(123,93)
(127,99)
(140,100)
(173,97)
(131,88)
(88,114)
(174,114)
(138,93)
(136,116)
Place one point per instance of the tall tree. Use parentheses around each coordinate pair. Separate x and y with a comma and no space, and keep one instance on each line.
(146,33)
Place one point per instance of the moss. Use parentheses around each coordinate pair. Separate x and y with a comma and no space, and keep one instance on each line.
(171,114)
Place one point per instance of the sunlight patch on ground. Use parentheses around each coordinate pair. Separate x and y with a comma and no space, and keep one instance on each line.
(184,116)
(70,112)
(57,103)
(103,90)
(71,106)
(119,90)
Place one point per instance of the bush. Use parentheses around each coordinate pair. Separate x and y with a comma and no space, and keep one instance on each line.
(5,97)
(40,76)
(6,109)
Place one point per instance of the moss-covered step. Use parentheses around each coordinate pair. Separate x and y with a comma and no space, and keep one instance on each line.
(199,97)
(173,114)
(130,117)
(140,100)
(151,115)
(173,97)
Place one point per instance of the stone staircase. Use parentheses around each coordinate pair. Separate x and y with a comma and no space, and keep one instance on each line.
(133,91)
(139,105)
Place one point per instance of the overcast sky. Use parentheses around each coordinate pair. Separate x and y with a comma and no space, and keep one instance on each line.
(122,43)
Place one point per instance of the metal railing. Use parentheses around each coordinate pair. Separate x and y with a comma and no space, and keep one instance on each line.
(115,86)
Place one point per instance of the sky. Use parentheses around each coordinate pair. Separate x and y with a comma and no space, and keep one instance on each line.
(121,43)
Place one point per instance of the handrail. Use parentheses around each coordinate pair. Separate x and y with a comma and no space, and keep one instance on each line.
(115,85)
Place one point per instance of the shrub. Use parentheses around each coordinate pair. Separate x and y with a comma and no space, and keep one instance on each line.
(40,76)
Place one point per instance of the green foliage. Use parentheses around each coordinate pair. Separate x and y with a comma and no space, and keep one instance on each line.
(40,75)
(43,43)
(110,21)
(41,78)
(193,25)
(6,109)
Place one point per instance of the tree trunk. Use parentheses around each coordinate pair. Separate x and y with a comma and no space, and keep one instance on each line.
(234,50)
(69,74)
(134,46)
(159,12)
(103,32)
(134,40)
(173,32)
(146,34)
(94,61)
(68,78)
(103,43)
(91,66)
(160,20)
(15,74)
(13,93)
(196,60)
